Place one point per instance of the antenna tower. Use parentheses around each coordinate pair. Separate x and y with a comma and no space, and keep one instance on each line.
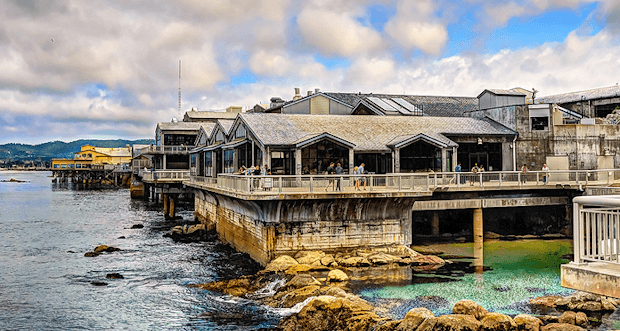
(179,111)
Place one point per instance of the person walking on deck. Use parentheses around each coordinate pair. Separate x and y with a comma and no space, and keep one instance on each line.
(339,171)
(546,173)
(330,171)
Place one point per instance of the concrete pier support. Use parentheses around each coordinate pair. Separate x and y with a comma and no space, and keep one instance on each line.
(478,240)
(435,224)
(172,207)
(165,204)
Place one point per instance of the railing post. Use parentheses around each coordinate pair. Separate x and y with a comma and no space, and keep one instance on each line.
(372,180)
(480,174)
(577,233)
(428,182)
(248,184)
(458,179)
(280,184)
(310,183)
(399,183)
(500,179)
(519,178)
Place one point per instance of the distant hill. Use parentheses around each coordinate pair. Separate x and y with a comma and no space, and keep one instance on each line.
(60,149)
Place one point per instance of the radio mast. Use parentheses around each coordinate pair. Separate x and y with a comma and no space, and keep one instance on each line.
(179,111)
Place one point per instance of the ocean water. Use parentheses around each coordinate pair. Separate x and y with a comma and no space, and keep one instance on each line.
(46,283)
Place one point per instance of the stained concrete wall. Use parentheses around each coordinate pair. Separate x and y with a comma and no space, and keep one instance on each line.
(266,229)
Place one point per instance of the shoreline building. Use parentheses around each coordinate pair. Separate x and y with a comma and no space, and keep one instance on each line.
(90,156)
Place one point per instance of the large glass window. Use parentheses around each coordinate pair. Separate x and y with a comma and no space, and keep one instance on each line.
(244,156)
(378,163)
(208,164)
(258,157)
(282,163)
(219,136)
(488,155)
(420,156)
(229,156)
(179,139)
(240,133)
(316,158)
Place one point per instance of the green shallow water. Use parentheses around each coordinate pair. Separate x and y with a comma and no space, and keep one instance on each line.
(520,270)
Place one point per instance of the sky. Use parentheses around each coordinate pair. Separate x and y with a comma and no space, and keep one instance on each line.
(109,69)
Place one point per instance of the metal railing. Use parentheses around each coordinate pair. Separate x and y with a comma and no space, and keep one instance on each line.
(138,165)
(596,229)
(166,175)
(414,182)
(165,150)
(209,181)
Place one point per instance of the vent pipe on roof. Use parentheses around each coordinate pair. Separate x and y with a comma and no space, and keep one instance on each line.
(309,93)
(297,96)
(316,90)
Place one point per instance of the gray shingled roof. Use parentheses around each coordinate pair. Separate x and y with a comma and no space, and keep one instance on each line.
(227,124)
(367,132)
(598,93)
(433,105)
(503,92)
(179,126)
(210,114)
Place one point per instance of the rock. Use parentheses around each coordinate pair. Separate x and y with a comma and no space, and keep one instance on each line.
(105,248)
(549,301)
(302,280)
(121,237)
(297,268)
(589,306)
(608,304)
(355,261)
(195,228)
(567,317)
(91,254)
(299,295)
(492,235)
(336,292)
(327,260)
(468,307)
(98,283)
(137,226)
(414,318)
(561,327)
(427,260)
(235,287)
(388,326)
(114,275)
(382,258)
(456,322)
(581,319)
(309,257)
(281,263)
(337,275)
(497,322)
(327,313)
(405,261)
(546,319)
(527,322)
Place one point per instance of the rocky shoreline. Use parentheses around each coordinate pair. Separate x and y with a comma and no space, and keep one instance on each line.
(316,283)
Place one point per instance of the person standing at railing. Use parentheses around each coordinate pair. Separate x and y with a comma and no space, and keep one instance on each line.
(524,171)
(546,173)
(357,179)
(362,171)
(339,171)
(266,181)
(330,171)
(256,172)
(474,169)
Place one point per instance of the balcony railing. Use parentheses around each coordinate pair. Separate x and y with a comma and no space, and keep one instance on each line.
(166,175)
(164,150)
(596,229)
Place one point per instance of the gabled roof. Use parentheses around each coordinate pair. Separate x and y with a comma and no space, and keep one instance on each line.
(437,139)
(598,93)
(511,92)
(312,138)
(365,132)
(196,116)
(179,126)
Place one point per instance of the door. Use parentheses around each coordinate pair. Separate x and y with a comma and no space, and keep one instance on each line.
(481,159)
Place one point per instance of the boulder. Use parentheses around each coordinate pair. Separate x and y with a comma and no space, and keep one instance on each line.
(114,275)
(388,326)
(327,260)
(91,254)
(581,319)
(382,258)
(137,226)
(567,317)
(235,287)
(561,327)
(195,228)
(302,280)
(105,248)
(281,263)
(299,295)
(327,313)
(608,304)
(527,323)
(497,322)
(549,301)
(427,260)
(491,235)
(309,257)
(355,261)
(337,275)
(297,268)
(414,318)
(457,322)
(468,307)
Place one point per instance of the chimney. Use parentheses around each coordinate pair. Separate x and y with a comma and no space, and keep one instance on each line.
(297,96)
(309,93)
(316,90)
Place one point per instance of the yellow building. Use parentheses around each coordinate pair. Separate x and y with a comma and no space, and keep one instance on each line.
(91,155)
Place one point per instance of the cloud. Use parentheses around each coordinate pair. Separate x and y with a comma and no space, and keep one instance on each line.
(368,72)
(414,26)
(337,33)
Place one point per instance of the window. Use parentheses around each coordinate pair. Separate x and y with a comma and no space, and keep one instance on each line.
(316,158)
(540,123)
(208,164)
(229,156)
(219,136)
(240,133)
(179,139)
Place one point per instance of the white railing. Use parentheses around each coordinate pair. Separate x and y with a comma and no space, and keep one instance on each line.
(165,150)
(596,229)
(166,175)
(210,181)
(139,165)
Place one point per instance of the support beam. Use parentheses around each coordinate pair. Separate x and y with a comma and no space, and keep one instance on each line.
(172,208)
(165,204)
(478,240)
(435,224)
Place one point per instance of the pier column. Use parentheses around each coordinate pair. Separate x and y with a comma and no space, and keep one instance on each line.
(435,224)
(165,204)
(478,240)
(172,209)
